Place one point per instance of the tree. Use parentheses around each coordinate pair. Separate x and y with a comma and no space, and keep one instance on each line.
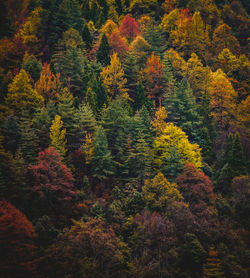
(53,182)
(195,186)
(178,63)
(129,28)
(32,66)
(222,99)
(11,133)
(99,251)
(67,111)
(21,96)
(86,36)
(169,21)
(113,77)
(29,31)
(243,115)
(109,27)
(154,78)
(103,51)
(57,135)
(223,38)
(213,267)
(183,112)
(159,193)
(118,44)
(197,76)
(140,50)
(48,85)
(193,256)
(17,242)
(159,123)
(101,162)
(173,139)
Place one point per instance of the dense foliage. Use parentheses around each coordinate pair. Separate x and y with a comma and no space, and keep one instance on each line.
(124,138)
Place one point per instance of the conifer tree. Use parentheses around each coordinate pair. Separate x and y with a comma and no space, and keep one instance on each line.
(67,112)
(213,268)
(11,134)
(238,160)
(29,141)
(86,36)
(58,136)
(183,112)
(101,162)
(103,51)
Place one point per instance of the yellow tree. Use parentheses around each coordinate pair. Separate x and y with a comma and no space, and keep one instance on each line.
(88,148)
(29,31)
(222,99)
(169,21)
(197,75)
(109,27)
(158,122)
(179,64)
(49,84)
(159,193)
(243,116)
(172,146)
(21,96)
(113,77)
(58,136)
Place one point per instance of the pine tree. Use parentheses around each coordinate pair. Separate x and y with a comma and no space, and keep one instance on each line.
(11,134)
(58,136)
(101,162)
(29,141)
(103,51)
(182,111)
(67,112)
(238,162)
(212,268)
(86,36)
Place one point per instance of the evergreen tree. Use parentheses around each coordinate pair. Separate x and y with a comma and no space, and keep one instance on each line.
(238,161)
(86,36)
(206,145)
(11,134)
(67,112)
(212,268)
(183,112)
(103,51)
(94,12)
(86,9)
(41,124)
(29,141)
(141,99)
(101,162)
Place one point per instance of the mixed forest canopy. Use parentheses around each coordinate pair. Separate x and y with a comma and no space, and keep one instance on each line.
(124,138)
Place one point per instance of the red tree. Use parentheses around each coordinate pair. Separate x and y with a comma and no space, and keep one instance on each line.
(53,180)
(129,27)
(118,43)
(195,186)
(16,242)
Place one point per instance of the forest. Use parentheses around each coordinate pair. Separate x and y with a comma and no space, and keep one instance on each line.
(124,139)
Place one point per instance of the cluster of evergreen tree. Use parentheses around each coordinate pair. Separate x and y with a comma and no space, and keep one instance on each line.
(124,138)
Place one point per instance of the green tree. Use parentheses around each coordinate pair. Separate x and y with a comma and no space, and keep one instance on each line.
(86,36)
(67,112)
(11,134)
(101,162)
(182,111)
(103,51)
